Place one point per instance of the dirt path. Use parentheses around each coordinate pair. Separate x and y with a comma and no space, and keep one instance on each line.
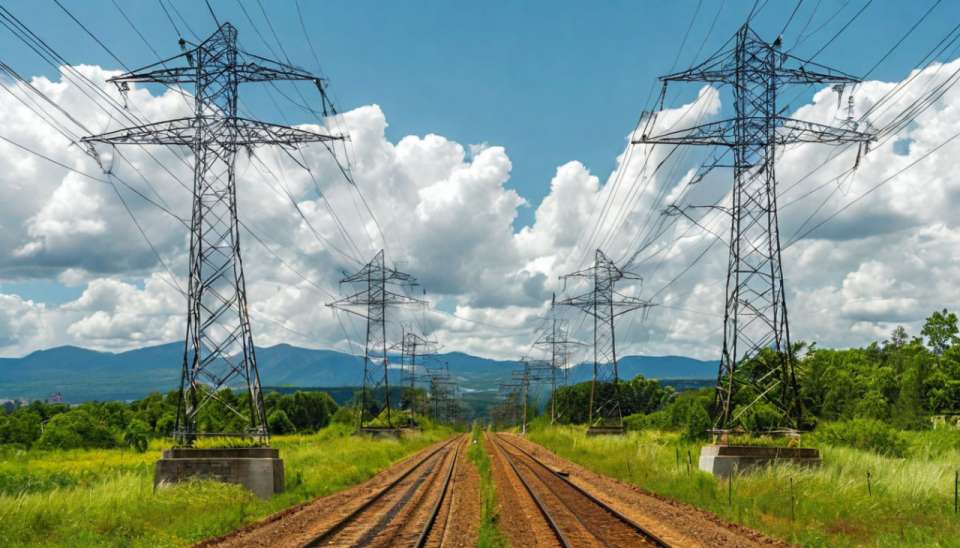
(433,494)
(671,522)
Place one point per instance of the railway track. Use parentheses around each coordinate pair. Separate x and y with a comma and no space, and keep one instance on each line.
(412,510)
(575,517)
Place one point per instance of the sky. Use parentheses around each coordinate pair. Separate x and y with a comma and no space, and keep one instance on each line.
(486,138)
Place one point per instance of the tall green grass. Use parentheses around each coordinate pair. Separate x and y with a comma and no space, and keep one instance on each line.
(106,497)
(909,500)
(490,535)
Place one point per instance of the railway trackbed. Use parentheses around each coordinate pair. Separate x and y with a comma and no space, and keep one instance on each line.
(405,511)
(417,506)
(545,501)
(574,516)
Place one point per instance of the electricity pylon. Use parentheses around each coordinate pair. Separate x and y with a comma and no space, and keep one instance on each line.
(218,347)
(375,297)
(558,343)
(755,311)
(444,394)
(411,346)
(604,304)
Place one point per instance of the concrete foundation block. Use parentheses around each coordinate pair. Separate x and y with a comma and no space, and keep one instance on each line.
(606,431)
(724,460)
(380,432)
(259,469)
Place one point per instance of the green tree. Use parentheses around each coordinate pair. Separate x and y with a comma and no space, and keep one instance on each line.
(941,331)
(136,436)
(280,423)
(696,424)
(22,427)
(75,429)
(899,336)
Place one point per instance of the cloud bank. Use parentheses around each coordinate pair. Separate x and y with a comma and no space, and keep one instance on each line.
(445,211)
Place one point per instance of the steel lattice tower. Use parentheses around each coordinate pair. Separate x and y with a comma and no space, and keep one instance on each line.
(375,297)
(558,343)
(218,347)
(604,304)
(411,346)
(755,312)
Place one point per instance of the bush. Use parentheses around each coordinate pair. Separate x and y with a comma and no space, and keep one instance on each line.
(658,420)
(280,423)
(760,417)
(345,415)
(21,428)
(866,434)
(697,423)
(136,435)
(166,424)
(74,430)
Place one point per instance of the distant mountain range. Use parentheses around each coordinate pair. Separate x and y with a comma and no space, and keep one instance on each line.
(81,374)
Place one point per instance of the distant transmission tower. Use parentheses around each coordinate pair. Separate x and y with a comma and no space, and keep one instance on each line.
(218,348)
(375,297)
(557,343)
(755,314)
(604,304)
(412,346)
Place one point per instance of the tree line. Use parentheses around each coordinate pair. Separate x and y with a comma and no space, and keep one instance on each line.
(900,381)
(48,426)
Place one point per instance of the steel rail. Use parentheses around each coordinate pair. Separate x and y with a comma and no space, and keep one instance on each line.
(641,530)
(539,503)
(340,525)
(425,533)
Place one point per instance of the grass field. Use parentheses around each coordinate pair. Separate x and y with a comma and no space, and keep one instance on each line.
(106,497)
(909,501)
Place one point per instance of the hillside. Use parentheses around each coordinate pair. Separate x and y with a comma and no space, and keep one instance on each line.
(81,374)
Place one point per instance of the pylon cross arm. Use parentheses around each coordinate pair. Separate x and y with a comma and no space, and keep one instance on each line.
(789,130)
(233,131)
(254,72)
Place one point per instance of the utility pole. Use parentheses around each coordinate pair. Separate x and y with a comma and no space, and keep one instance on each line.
(755,311)
(218,347)
(558,343)
(375,297)
(604,304)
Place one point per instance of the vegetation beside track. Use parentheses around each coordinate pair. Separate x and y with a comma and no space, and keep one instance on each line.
(490,535)
(101,497)
(906,501)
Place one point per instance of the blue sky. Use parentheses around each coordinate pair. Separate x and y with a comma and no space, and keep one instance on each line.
(551,81)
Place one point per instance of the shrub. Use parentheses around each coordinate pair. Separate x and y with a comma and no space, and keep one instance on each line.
(657,420)
(136,435)
(761,417)
(74,430)
(696,424)
(866,434)
(280,423)
(345,415)
(166,424)
(21,428)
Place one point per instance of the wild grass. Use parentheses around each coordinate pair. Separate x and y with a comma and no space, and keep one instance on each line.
(106,497)
(490,535)
(909,501)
